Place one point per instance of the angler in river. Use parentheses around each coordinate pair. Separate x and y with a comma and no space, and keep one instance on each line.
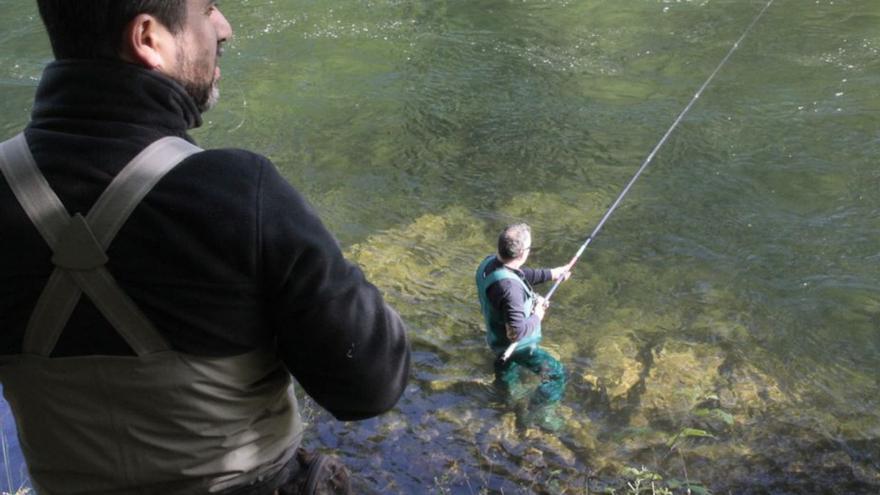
(513,312)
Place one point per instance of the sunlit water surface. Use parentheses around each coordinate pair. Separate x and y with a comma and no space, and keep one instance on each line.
(725,324)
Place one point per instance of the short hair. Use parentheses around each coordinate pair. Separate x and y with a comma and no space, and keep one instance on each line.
(513,241)
(93,29)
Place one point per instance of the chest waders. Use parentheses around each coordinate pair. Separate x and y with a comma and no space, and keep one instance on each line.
(157,422)
(496,326)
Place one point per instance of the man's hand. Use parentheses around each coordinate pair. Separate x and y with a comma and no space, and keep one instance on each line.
(563,272)
(540,306)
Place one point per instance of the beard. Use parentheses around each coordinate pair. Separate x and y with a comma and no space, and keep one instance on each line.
(197,78)
(205,95)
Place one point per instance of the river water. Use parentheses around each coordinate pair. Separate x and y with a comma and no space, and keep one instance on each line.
(723,328)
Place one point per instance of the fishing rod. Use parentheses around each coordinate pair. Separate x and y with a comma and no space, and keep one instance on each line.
(509,351)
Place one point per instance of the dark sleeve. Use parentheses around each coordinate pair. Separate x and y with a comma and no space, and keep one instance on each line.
(535,276)
(509,298)
(342,343)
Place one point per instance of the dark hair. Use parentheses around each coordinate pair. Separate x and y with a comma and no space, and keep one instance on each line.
(92,29)
(512,241)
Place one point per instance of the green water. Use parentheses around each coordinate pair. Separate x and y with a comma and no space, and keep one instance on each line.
(734,293)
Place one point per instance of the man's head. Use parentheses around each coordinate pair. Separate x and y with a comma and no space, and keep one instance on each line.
(514,243)
(179,38)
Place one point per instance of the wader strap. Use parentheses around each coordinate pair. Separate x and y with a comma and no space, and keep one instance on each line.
(79,244)
(47,207)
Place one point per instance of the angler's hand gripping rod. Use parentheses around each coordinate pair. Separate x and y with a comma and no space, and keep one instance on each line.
(509,351)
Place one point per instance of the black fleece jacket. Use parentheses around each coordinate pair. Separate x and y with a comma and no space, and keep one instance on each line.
(223,255)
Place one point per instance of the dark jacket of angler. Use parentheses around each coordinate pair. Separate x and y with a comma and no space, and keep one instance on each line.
(161,361)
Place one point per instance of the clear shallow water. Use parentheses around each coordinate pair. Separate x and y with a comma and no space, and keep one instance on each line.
(749,248)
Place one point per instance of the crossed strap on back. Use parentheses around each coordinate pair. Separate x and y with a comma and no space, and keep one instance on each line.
(79,243)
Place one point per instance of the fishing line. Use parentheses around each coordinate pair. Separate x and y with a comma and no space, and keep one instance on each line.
(650,157)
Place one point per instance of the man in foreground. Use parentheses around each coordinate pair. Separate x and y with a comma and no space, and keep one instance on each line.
(513,313)
(155,299)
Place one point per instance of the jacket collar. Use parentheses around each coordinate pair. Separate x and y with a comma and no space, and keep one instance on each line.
(113,91)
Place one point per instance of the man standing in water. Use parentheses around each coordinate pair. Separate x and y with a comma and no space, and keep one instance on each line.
(513,313)
(155,299)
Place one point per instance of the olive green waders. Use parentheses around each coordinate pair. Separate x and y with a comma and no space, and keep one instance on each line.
(157,422)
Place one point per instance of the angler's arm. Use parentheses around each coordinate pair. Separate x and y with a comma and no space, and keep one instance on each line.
(350,352)
(537,276)
(541,275)
(342,343)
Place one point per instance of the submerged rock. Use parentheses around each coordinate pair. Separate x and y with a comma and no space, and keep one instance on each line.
(425,270)
(746,391)
(615,369)
(681,376)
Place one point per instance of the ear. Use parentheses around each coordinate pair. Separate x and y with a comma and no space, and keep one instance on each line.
(147,42)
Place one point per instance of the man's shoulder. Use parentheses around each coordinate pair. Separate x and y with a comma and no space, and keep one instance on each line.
(500,278)
(232,163)
(492,267)
(230,157)
(487,265)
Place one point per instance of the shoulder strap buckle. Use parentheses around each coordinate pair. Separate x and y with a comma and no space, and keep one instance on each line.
(79,243)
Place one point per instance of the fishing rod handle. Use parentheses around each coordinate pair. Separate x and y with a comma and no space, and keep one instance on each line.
(508,352)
